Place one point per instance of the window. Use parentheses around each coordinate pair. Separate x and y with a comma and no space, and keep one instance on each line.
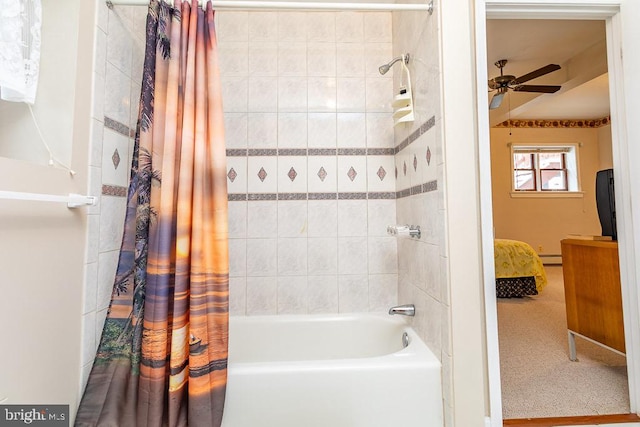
(543,168)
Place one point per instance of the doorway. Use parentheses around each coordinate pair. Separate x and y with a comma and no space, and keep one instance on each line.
(528,10)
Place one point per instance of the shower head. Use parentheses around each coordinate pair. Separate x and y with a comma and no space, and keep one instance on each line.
(386,67)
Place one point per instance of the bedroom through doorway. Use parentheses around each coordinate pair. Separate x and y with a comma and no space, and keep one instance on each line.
(529,134)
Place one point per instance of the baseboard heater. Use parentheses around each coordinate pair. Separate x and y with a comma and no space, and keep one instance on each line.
(551,259)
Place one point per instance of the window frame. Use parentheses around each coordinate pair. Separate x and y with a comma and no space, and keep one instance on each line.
(571,168)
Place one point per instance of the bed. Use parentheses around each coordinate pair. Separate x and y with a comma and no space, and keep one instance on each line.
(519,270)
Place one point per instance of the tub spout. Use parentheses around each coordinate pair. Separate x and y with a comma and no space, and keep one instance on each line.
(405,310)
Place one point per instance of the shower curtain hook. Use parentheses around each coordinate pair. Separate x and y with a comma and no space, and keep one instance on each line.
(430,7)
(109,4)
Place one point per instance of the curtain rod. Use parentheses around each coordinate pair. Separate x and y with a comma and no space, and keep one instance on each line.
(72,200)
(304,5)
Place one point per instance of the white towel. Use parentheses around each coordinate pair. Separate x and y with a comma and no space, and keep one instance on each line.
(20,28)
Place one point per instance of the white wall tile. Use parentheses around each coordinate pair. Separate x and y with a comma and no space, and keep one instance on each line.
(98,97)
(262,295)
(292,58)
(112,223)
(262,219)
(383,292)
(90,287)
(322,294)
(262,130)
(237,296)
(323,256)
(321,94)
(353,293)
(321,27)
(379,95)
(92,248)
(377,27)
(292,218)
(292,295)
(351,94)
(270,166)
(292,26)
(321,59)
(380,214)
(233,58)
(263,58)
(322,174)
(233,26)
(117,95)
(236,180)
(350,26)
(351,130)
(383,257)
(115,159)
(350,59)
(323,218)
(292,94)
(345,182)
(234,94)
(377,54)
(380,173)
(263,94)
(237,219)
(107,265)
(100,53)
(380,130)
(322,130)
(263,26)
(237,257)
(88,337)
(292,257)
(118,45)
(352,218)
(352,255)
(292,174)
(262,258)
(235,130)
(292,130)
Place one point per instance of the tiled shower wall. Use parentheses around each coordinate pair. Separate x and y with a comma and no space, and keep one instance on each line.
(423,264)
(311,175)
(118,58)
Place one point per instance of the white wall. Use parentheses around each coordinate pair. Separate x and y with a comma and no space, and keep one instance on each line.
(42,245)
(303,97)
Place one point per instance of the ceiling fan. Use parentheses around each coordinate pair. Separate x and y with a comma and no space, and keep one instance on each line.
(503,83)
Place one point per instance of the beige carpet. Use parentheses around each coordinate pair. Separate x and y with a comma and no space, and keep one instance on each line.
(538,379)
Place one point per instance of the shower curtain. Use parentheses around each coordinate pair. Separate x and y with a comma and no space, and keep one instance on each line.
(162,359)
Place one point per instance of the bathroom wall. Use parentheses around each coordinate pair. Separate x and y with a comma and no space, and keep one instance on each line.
(117,73)
(310,161)
(423,264)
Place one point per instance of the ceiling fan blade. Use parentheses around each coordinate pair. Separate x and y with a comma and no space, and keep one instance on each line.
(536,73)
(537,88)
(496,100)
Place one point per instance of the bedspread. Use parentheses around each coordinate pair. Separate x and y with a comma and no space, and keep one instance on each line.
(518,259)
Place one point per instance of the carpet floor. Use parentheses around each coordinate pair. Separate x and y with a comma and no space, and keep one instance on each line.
(538,379)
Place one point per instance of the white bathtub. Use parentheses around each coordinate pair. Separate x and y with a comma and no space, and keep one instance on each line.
(330,371)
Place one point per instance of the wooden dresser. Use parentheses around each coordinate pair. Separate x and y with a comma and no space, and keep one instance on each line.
(592,293)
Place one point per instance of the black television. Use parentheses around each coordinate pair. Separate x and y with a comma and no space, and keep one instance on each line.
(605,200)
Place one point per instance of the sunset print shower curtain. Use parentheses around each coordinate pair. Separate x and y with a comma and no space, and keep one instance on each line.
(162,359)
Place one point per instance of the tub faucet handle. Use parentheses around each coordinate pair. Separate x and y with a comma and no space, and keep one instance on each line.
(405,310)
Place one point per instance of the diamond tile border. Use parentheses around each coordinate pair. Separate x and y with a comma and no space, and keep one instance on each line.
(424,128)
(114,190)
(116,126)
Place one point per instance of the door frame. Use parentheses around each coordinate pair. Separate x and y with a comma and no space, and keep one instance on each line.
(609,11)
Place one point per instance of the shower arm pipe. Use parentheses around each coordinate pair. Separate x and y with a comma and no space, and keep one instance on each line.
(72,200)
(291,5)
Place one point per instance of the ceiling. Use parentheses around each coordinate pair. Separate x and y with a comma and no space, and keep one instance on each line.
(579,47)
